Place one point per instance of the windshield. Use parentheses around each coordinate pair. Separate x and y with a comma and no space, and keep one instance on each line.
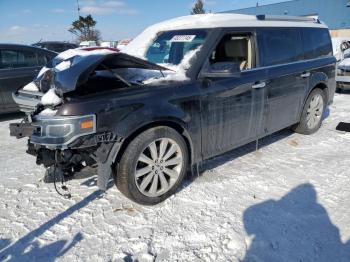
(171,47)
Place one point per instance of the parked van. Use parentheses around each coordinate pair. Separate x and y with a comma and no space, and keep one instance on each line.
(183,91)
(341,51)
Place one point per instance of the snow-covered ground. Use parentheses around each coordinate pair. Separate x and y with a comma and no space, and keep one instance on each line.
(289,201)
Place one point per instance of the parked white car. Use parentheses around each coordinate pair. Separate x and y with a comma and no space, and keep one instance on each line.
(341,47)
(110,44)
(341,50)
(343,74)
(123,43)
(87,44)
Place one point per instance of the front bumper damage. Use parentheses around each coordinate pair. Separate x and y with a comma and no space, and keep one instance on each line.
(70,144)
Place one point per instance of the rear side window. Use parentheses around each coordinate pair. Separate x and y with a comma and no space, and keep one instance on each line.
(17,59)
(8,59)
(317,42)
(279,46)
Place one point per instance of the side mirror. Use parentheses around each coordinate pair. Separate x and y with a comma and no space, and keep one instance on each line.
(222,69)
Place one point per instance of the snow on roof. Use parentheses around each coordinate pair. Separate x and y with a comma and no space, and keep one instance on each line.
(139,45)
(83,52)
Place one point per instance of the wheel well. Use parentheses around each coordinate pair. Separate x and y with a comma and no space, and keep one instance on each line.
(170,124)
(324,88)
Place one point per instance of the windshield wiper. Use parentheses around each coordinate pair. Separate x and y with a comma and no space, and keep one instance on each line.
(117,75)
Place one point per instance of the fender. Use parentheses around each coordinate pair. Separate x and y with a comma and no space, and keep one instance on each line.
(316,79)
(108,160)
(128,132)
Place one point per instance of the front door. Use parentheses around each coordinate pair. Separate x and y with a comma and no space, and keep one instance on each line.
(232,107)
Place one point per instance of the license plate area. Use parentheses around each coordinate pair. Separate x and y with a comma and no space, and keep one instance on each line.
(20,130)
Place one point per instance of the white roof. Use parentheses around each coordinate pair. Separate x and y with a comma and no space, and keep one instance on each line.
(138,46)
(228,20)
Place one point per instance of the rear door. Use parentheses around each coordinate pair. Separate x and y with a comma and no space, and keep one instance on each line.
(319,59)
(18,68)
(281,55)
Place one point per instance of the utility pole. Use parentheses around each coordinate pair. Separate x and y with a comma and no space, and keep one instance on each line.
(78,8)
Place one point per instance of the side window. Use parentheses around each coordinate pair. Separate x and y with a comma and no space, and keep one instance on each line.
(26,59)
(8,59)
(42,60)
(234,49)
(17,59)
(279,46)
(317,43)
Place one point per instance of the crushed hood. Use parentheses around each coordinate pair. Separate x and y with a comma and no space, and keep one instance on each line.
(69,70)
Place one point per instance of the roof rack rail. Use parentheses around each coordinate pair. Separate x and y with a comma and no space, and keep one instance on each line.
(287,18)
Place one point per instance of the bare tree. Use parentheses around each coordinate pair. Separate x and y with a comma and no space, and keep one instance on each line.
(198,8)
(84,29)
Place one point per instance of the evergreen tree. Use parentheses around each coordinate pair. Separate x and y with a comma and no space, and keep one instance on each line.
(198,8)
(84,29)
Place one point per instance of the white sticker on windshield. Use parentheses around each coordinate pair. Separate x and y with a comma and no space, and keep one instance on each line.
(183,38)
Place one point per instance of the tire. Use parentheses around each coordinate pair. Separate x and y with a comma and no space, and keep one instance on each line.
(150,188)
(312,109)
(338,89)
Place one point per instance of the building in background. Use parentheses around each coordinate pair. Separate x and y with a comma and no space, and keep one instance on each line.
(335,13)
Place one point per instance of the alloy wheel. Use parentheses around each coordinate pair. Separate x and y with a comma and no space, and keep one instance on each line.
(315,111)
(158,167)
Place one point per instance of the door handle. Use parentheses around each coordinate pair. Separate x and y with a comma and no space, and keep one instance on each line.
(305,75)
(259,85)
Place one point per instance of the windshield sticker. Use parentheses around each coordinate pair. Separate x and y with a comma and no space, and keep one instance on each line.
(183,38)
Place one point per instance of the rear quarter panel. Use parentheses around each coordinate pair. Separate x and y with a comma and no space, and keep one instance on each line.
(323,71)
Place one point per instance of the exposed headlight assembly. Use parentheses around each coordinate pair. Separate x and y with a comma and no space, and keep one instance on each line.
(59,131)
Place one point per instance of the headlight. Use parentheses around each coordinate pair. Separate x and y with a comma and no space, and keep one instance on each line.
(60,131)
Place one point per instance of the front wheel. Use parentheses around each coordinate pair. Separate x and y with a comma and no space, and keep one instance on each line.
(152,166)
(311,118)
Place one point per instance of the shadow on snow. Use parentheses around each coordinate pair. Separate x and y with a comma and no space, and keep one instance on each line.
(28,248)
(294,228)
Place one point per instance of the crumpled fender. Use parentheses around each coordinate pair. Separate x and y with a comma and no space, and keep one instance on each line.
(104,169)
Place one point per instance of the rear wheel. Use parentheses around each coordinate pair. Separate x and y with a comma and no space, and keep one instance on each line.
(311,118)
(152,166)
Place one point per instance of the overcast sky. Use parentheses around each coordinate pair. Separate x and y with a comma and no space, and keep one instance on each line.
(28,21)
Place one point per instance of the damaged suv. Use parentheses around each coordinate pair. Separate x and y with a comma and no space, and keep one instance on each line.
(183,91)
